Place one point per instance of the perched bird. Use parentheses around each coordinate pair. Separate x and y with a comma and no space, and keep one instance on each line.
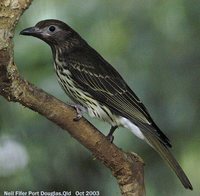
(96,87)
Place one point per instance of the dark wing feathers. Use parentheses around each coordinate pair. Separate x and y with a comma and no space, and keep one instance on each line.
(102,81)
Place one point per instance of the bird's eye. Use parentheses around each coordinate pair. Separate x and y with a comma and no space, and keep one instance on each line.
(52,28)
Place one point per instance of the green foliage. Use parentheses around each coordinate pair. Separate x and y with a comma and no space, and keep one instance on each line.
(155,45)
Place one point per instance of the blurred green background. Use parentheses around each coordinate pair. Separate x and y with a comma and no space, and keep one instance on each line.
(155,45)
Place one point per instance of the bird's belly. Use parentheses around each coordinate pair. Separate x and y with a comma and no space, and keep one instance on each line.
(102,112)
(70,89)
(94,108)
(105,114)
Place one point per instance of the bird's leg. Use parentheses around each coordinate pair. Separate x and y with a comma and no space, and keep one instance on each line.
(79,110)
(110,134)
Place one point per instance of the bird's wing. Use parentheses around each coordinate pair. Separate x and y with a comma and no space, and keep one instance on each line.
(97,77)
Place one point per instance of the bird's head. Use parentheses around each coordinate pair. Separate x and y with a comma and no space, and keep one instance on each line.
(53,32)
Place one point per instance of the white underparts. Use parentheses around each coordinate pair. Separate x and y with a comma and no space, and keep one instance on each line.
(105,114)
(133,128)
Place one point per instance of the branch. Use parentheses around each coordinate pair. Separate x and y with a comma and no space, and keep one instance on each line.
(126,167)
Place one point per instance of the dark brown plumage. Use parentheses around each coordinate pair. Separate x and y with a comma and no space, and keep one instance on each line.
(94,84)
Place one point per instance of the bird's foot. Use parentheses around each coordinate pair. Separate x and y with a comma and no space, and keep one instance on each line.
(79,110)
(110,136)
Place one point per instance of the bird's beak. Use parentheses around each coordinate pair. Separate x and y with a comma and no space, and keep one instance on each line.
(31,31)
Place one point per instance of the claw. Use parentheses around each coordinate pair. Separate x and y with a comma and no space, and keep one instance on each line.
(78,117)
(110,138)
(79,110)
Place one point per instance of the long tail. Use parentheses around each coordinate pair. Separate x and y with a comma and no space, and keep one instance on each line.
(160,143)
(168,157)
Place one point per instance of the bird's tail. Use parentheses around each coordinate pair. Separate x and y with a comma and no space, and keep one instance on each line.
(168,157)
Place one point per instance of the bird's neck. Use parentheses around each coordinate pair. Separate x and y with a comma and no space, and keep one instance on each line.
(64,49)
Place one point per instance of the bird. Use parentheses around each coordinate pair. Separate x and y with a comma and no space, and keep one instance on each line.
(96,87)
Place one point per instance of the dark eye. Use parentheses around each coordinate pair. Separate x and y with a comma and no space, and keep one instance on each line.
(52,28)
